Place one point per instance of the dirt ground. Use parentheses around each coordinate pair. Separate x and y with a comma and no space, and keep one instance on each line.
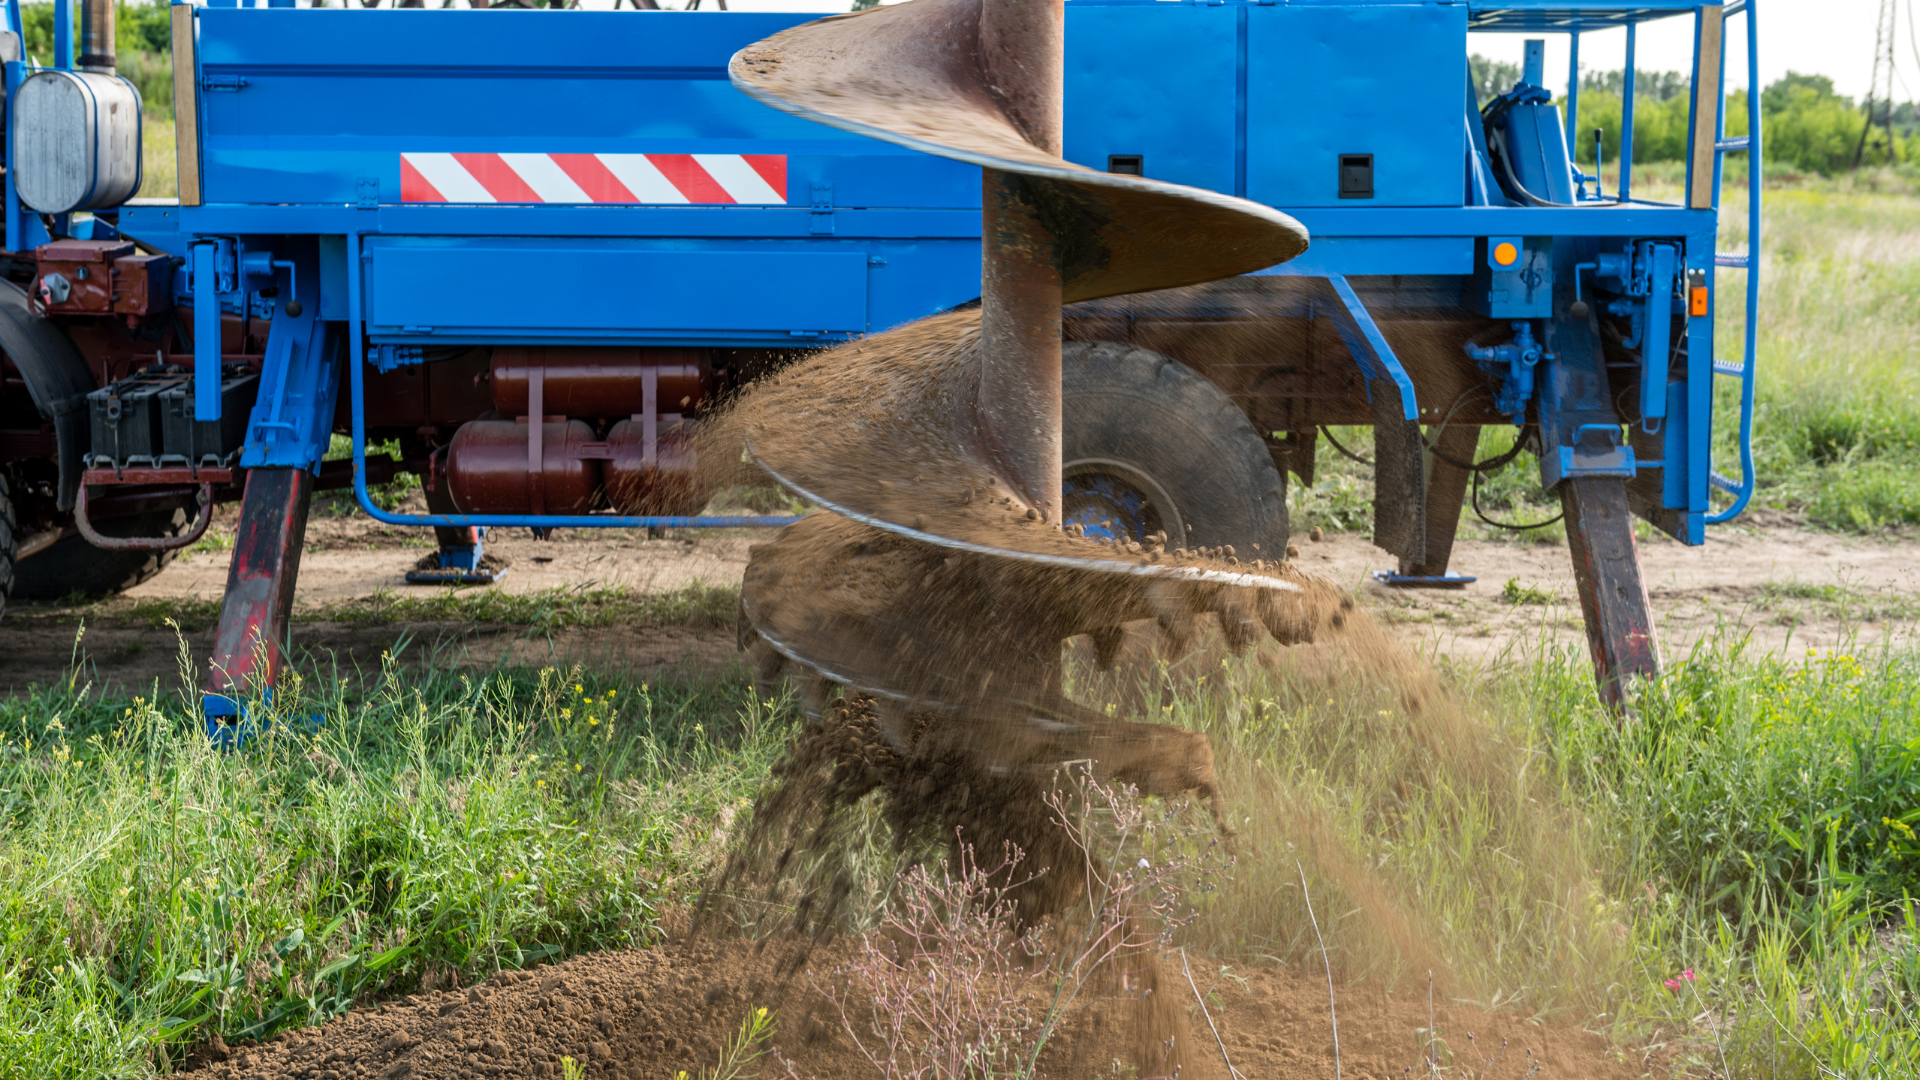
(1786,586)
(652,1014)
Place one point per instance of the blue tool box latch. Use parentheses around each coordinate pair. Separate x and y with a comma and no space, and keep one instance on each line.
(820,221)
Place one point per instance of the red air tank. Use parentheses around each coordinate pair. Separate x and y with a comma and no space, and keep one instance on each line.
(665,484)
(600,383)
(494,467)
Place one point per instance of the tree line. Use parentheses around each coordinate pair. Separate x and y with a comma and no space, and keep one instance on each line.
(1804,123)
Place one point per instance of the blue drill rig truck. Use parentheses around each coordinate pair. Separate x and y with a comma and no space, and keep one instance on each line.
(533,249)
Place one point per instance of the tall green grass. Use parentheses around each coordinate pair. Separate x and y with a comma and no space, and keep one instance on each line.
(1752,821)
(154,889)
(1837,429)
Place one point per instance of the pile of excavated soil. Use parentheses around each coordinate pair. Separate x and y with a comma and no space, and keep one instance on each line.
(650,1014)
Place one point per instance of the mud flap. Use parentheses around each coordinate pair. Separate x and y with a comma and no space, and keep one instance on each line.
(1613,593)
(250,643)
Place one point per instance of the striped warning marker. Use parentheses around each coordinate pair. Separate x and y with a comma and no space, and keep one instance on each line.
(649,179)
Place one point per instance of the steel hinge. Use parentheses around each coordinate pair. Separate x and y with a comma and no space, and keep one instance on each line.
(222,83)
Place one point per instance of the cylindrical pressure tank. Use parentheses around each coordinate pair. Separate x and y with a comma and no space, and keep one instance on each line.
(604,383)
(491,468)
(76,141)
(667,485)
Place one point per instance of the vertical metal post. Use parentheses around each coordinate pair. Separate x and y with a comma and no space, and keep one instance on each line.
(1446,493)
(1573,90)
(1021,50)
(1624,186)
(250,644)
(206,332)
(1613,594)
(96,36)
(1704,124)
(62,35)
(15,74)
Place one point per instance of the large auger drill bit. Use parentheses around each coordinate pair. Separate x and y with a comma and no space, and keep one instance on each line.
(940,591)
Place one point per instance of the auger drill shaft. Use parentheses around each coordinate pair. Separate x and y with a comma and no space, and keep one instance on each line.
(1022,43)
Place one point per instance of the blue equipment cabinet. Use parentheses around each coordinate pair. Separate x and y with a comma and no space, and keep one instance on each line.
(374,202)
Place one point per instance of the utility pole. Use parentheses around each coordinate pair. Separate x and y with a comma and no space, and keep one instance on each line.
(1880,90)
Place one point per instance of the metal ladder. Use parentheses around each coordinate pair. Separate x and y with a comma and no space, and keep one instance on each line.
(1742,489)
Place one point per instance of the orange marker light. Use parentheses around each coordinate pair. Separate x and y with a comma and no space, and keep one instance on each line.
(1506,254)
(1697,300)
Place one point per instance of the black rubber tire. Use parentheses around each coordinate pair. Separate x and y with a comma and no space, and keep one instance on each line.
(1164,422)
(71,566)
(9,542)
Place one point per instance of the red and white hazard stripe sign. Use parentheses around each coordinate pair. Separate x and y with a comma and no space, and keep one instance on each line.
(680,179)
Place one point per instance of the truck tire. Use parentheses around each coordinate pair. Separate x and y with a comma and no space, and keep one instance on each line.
(9,542)
(71,566)
(1150,445)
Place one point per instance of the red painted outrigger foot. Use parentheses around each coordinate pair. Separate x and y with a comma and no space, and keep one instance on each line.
(1613,594)
(252,639)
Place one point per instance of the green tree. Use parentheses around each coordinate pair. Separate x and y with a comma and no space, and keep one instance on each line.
(142,42)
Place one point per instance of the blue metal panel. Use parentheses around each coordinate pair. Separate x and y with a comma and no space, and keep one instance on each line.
(1538,148)
(1380,255)
(510,81)
(1155,81)
(1310,99)
(206,331)
(1628,221)
(506,290)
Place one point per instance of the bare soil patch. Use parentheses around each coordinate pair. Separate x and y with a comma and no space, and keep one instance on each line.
(1789,587)
(650,1014)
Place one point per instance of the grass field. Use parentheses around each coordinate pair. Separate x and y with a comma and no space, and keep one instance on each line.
(1755,826)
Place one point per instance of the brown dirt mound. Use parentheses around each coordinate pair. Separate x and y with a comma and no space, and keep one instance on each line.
(650,1014)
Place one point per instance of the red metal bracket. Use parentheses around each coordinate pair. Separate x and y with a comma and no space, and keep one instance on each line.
(249,644)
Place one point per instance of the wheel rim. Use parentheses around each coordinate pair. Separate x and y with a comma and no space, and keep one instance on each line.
(1114,500)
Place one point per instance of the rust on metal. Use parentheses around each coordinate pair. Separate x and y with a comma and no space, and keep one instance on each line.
(250,643)
(1613,593)
(178,474)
